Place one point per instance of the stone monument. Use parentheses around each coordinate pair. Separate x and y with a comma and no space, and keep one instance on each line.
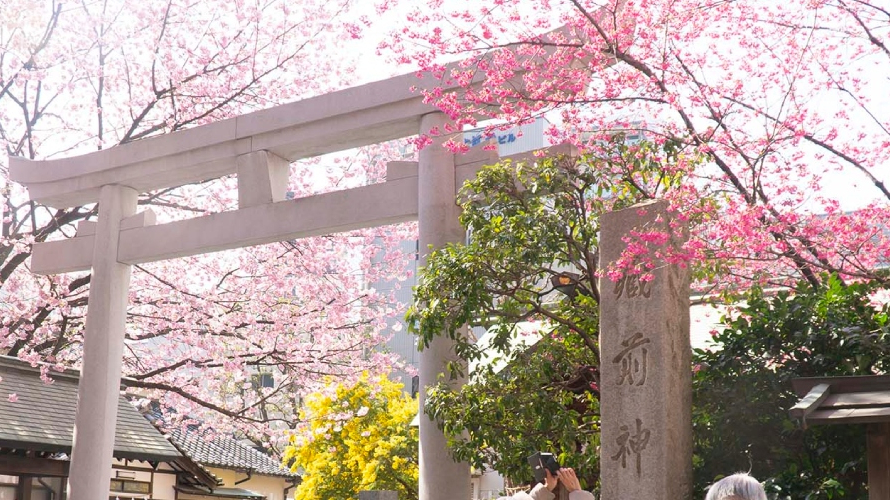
(645,361)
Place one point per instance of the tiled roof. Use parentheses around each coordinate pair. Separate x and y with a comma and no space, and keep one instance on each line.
(42,416)
(227,453)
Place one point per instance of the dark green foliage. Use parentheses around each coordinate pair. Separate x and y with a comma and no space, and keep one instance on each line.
(531,222)
(742,392)
(499,420)
(528,223)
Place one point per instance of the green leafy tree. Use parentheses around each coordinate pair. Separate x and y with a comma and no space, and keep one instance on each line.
(742,390)
(356,437)
(535,381)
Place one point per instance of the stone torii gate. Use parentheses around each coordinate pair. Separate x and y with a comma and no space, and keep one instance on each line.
(258,148)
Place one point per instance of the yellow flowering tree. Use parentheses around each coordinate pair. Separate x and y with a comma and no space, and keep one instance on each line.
(356,437)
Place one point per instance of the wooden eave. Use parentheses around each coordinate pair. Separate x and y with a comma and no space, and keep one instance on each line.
(842,400)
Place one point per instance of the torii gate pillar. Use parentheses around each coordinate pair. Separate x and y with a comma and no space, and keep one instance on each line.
(97,398)
(257,147)
(441,478)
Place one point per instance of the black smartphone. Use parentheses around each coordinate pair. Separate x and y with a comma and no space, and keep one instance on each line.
(541,461)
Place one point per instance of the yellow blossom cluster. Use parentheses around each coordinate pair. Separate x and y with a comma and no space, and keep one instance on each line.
(356,437)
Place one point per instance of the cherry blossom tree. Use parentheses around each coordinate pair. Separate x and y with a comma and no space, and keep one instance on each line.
(207,334)
(784,103)
(784,99)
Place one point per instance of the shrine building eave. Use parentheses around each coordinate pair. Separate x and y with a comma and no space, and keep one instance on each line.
(863,399)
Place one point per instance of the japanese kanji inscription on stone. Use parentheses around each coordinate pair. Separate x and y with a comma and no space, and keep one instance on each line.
(646,380)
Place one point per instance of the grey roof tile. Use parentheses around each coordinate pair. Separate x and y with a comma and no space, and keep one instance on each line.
(42,418)
(227,453)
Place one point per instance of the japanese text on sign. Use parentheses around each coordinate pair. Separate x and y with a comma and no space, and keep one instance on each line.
(632,286)
(631,443)
(633,360)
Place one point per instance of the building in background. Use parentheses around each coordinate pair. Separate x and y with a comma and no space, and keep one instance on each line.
(242,470)
(513,140)
(37,429)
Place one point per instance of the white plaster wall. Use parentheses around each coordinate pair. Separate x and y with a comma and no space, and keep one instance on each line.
(489,485)
(163,487)
(271,487)
(162,479)
(165,478)
(47,487)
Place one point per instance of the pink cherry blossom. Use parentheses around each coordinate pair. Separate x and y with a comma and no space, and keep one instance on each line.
(200,331)
(785,101)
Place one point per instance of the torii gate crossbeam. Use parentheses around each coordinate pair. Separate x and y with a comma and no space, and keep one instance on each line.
(258,147)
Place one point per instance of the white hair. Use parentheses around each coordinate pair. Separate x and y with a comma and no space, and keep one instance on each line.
(739,486)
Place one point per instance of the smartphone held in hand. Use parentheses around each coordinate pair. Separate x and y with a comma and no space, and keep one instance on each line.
(543,461)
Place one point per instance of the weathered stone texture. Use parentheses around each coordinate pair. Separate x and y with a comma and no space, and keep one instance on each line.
(646,378)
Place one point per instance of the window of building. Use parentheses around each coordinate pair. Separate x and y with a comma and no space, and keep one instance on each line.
(131,486)
(263,380)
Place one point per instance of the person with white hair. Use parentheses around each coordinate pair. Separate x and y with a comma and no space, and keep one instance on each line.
(544,491)
(739,486)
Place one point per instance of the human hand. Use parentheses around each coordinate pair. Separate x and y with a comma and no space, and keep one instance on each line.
(569,479)
(550,481)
